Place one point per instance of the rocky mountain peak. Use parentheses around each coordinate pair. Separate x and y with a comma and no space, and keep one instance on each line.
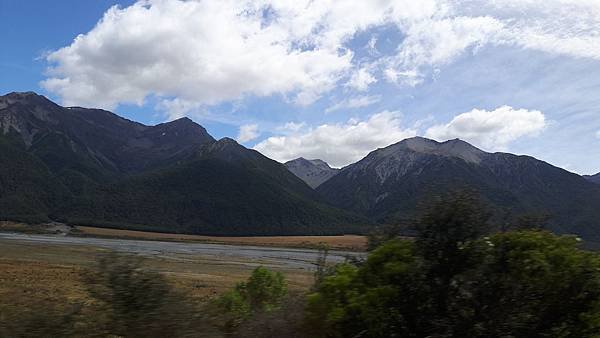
(320,163)
(225,148)
(24,112)
(182,129)
(27,98)
(313,172)
(451,148)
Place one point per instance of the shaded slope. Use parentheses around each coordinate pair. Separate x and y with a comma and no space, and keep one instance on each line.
(388,184)
(92,166)
(226,190)
(593,178)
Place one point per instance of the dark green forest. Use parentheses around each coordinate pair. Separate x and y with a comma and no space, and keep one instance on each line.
(206,194)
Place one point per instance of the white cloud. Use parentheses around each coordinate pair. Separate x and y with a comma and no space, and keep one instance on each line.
(491,130)
(206,52)
(292,126)
(338,144)
(176,108)
(211,51)
(598,134)
(434,43)
(200,51)
(372,45)
(354,102)
(361,80)
(248,132)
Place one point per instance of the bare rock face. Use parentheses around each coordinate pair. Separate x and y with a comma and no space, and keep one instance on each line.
(313,172)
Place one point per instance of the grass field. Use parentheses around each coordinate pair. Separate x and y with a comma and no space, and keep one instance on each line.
(35,274)
(346,242)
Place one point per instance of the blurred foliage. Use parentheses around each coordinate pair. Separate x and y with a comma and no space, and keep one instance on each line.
(124,300)
(42,318)
(286,321)
(262,292)
(451,282)
(136,302)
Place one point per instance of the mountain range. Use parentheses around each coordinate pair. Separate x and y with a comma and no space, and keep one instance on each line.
(389,183)
(90,166)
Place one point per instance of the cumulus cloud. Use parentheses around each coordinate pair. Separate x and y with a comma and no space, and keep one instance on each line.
(354,102)
(338,144)
(206,52)
(200,51)
(176,108)
(248,132)
(491,130)
(361,80)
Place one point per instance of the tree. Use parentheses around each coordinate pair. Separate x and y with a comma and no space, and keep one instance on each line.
(444,232)
(451,282)
(529,284)
(262,292)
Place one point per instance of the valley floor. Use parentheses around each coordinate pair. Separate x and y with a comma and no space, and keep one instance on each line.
(346,242)
(48,267)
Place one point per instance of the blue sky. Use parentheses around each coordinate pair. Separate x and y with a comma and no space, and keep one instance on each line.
(327,79)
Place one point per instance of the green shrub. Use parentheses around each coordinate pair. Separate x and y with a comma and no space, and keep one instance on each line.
(450,282)
(135,302)
(262,292)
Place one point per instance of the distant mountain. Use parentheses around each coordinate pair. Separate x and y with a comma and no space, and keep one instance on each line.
(64,137)
(313,172)
(91,166)
(388,184)
(593,178)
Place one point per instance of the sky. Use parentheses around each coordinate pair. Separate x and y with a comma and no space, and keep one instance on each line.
(325,79)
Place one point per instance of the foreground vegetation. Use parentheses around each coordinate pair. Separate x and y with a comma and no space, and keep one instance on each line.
(454,280)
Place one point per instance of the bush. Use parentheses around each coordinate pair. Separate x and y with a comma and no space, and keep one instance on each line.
(40,318)
(286,321)
(135,302)
(263,292)
(450,282)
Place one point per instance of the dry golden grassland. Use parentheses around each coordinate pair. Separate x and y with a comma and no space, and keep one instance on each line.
(30,271)
(346,242)
(35,273)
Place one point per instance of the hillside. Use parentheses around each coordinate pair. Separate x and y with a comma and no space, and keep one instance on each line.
(90,166)
(389,183)
(593,178)
(225,189)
